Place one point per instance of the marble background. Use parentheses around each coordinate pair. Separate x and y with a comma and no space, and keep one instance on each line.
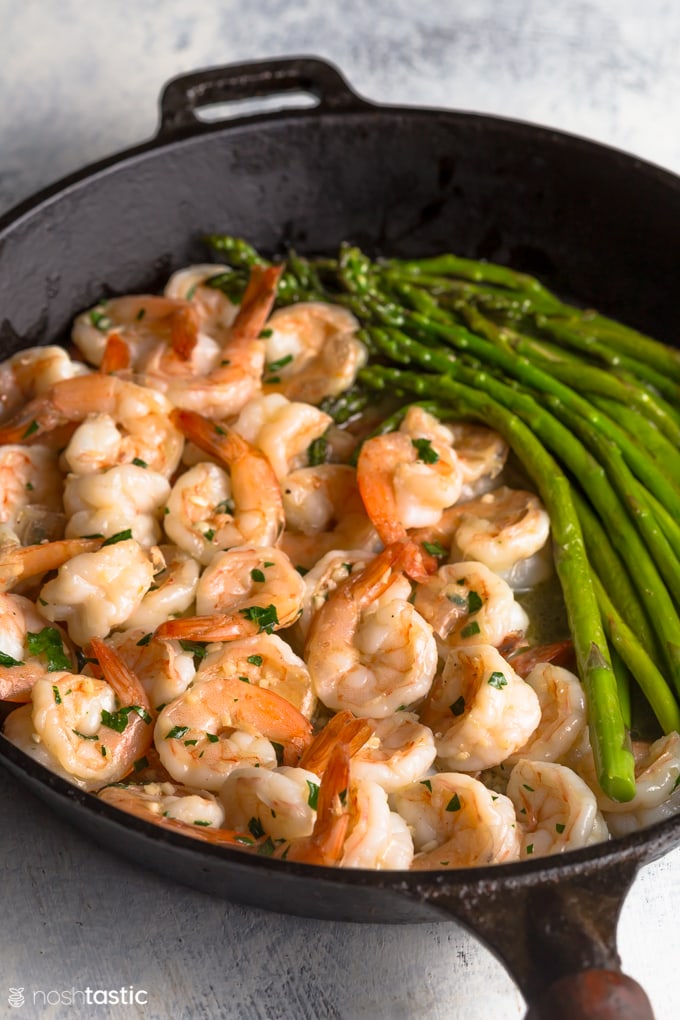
(79,81)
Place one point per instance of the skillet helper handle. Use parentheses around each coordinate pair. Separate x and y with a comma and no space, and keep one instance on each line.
(593,995)
(184,95)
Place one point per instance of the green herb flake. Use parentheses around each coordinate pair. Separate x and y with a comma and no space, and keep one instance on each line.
(190,743)
(268,563)
(498,680)
(266,333)
(255,660)
(676,783)
(212,738)
(257,575)
(100,321)
(176,732)
(7,660)
(265,617)
(141,763)
(313,797)
(103,751)
(470,629)
(118,720)
(425,451)
(255,828)
(209,534)
(120,536)
(200,821)
(529,788)
(435,549)
(427,783)
(48,641)
(140,314)
(143,641)
(274,366)
(244,679)
(302,570)
(225,507)
(57,695)
(32,428)
(224,362)
(272,379)
(138,462)
(194,647)
(29,487)
(560,827)
(474,602)
(85,736)
(458,707)
(267,848)
(220,431)
(530,848)
(454,803)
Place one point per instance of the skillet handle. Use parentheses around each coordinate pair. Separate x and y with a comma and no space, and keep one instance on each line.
(184,95)
(595,994)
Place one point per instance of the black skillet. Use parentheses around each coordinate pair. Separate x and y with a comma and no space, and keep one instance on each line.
(599,226)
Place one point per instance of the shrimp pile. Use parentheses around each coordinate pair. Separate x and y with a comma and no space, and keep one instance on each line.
(226,615)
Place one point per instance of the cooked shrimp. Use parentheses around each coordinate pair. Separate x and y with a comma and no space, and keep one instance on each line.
(327,573)
(479,709)
(173,589)
(267,661)
(20,562)
(371,658)
(215,311)
(251,509)
(97,591)
(244,591)
(121,497)
(400,751)
(121,423)
(313,351)
(31,372)
(95,729)
(225,723)
(29,476)
(555,809)
(563,714)
(501,528)
(457,823)
(406,482)
(315,498)
(481,453)
(355,827)
(466,603)
(158,801)
(282,429)
(29,648)
(218,379)
(280,803)
(163,668)
(657,786)
(343,728)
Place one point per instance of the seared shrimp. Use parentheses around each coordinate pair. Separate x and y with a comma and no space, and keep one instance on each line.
(555,809)
(244,591)
(466,603)
(327,573)
(29,476)
(479,709)
(172,591)
(97,591)
(225,723)
(502,529)
(31,372)
(563,714)
(657,786)
(95,729)
(400,751)
(122,497)
(121,423)
(279,802)
(23,562)
(481,453)
(29,648)
(249,509)
(371,658)
(313,351)
(267,661)
(164,668)
(457,823)
(282,429)
(156,802)
(215,311)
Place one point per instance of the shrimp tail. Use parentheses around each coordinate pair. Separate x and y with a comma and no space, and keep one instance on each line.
(184,331)
(343,728)
(325,845)
(19,562)
(116,357)
(120,677)
(220,627)
(257,303)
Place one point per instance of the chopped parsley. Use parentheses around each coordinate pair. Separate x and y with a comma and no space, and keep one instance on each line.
(313,798)
(118,720)
(141,763)
(194,647)
(458,600)
(560,827)
(427,783)
(454,803)
(257,575)
(470,629)
(209,534)
(498,680)
(474,602)
(255,828)
(177,732)
(144,640)
(435,549)
(48,642)
(425,451)
(279,752)
(57,695)
(255,660)
(265,617)
(225,507)
(274,366)
(138,462)
(120,536)
(530,848)
(267,848)
(100,320)
(85,736)
(266,333)
(200,821)
(7,660)
(212,738)
(32,428)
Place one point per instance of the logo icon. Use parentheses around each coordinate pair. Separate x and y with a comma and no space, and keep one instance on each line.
(16,997)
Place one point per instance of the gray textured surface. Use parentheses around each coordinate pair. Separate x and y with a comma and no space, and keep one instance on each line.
(79,81)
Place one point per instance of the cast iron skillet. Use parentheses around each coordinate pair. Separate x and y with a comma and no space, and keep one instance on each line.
(597,225)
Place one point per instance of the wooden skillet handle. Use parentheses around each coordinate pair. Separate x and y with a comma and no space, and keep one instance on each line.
(592,995)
